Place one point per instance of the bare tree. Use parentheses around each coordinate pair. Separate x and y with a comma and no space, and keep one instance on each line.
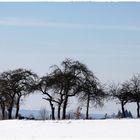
(71,76)
(135,90)
(25,79)
(45,86)
(57,88)
(7,90)
(121,92)
(4,101)
(92,92)
(15,84)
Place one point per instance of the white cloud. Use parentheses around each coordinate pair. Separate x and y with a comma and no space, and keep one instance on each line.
(21,22)
(42,23)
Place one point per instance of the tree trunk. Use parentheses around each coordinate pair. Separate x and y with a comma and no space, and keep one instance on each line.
(10,112)
(53,113)
(59,110)
(17,107)
(10,109)
(59,106)
(64,108)
(3,113)
(123,111)
(53,110)
(138,110)
(2,105)
(87,108)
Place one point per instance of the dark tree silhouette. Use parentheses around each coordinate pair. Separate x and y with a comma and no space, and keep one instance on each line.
(7,91)
(92,92)
(122,92)
(16,84)
(76,73)
(45,85)
(24,80)
(135,90)
(58,88)
(4,98)
(72,75)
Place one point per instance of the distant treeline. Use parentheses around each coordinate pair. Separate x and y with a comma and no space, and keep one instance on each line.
(70,79)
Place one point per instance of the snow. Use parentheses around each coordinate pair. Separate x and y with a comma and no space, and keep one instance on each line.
(70,129)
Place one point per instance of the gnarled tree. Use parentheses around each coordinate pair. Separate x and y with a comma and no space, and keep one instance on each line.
(70,77)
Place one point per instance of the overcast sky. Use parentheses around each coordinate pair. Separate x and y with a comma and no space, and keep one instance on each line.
(104,36)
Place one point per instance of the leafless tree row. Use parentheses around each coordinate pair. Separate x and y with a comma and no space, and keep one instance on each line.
(70,79)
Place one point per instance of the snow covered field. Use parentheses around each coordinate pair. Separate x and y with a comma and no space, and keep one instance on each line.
(70,129)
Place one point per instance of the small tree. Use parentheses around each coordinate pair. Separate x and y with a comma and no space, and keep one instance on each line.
(135,90)
(92,92)
(122,93)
